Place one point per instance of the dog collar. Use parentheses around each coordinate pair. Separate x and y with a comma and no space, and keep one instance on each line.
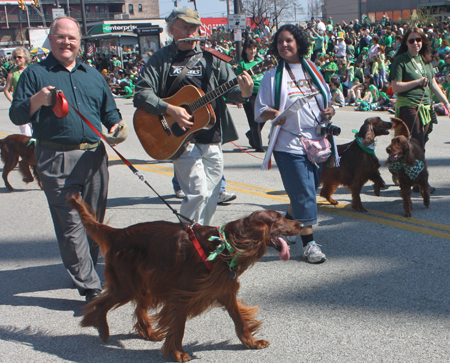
(198,247)
(368,149)
(223,245)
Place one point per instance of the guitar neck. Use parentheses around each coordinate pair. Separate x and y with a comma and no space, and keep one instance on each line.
(211,96)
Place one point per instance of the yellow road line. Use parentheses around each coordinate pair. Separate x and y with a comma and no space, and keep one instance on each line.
(389,219)
(392,223)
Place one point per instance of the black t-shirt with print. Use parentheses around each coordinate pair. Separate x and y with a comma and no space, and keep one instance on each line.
(196,77)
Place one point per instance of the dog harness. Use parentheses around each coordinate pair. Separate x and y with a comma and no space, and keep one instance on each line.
(412,171)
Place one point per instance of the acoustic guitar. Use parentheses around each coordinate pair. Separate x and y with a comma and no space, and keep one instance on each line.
(160,135)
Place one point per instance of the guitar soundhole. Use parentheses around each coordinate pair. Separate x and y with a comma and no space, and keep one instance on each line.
(177,130)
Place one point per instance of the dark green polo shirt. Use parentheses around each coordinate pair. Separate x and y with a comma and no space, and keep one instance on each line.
(83,86)
(404,70)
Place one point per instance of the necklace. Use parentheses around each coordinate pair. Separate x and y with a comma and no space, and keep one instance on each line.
(419,69)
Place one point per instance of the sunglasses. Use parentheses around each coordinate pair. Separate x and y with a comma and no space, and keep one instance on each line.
(412,40)
(18,57)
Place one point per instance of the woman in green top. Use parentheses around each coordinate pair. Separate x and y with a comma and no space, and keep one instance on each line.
(22,58)
(412,78)
(249,59)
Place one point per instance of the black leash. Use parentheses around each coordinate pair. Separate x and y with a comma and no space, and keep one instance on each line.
(131,166)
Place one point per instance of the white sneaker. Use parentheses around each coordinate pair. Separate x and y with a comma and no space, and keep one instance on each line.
(313,253)
(226,196)
(180,194)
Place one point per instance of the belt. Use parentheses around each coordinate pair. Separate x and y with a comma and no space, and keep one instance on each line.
(62,147)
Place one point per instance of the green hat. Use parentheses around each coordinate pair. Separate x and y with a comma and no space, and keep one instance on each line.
(186,14)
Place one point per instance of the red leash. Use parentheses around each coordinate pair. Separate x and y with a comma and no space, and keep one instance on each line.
(245,151)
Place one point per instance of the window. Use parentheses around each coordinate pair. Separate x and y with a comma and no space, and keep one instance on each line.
(103,9)
(87,8)
(140,8)
(130,9)
(97,9)
(406,13)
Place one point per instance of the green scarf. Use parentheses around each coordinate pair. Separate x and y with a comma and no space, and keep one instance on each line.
(359,140)
(412,171)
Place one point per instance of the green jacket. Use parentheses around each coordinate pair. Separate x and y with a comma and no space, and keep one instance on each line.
(152,87)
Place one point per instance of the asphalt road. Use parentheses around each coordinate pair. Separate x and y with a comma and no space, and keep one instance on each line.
(382,296)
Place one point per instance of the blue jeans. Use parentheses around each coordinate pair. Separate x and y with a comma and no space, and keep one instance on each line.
(301,180)
(176,185)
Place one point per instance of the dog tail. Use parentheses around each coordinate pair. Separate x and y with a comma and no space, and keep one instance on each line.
(101,233)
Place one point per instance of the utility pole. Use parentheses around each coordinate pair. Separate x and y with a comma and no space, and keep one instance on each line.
(237,10)
(83,17)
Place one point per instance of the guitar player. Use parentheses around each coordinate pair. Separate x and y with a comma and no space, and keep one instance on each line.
(200,167)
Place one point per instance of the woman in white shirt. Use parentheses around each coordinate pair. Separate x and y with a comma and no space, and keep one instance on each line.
(296,78)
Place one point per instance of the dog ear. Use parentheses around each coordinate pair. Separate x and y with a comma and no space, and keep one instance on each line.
(370,136)
(400,127)
(408,156)
(364,128)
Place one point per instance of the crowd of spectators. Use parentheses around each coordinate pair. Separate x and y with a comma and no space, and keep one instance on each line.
(354,57)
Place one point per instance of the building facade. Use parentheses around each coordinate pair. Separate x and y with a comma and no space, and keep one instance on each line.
(349,10)
(11,16)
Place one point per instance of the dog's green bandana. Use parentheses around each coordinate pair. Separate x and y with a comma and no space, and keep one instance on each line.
(368,149)
(224,244)
(32,141)
(412,171)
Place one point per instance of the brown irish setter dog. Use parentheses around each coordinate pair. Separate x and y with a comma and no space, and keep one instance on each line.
(12,148)
(356,165)
(156,266)
(407,160)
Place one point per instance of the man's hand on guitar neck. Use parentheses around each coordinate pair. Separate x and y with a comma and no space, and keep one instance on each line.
(245,82)
(181,116)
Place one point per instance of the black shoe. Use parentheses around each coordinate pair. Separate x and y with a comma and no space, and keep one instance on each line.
(259,150)
(250,139)
(91,295)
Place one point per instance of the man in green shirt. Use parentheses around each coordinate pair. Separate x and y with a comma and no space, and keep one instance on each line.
(70,158)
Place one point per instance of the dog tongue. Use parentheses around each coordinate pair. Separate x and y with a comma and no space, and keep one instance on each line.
(284,254)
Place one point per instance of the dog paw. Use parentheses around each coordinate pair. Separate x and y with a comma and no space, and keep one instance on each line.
(181,356)
(359,208)
(332,201)
(261,344)
(407,214)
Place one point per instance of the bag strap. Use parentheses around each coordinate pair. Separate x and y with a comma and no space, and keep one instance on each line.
(291,74)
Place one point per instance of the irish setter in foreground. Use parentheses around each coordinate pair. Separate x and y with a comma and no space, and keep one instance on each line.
(12,148)
(407,160)
(156,266)
(357,166)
